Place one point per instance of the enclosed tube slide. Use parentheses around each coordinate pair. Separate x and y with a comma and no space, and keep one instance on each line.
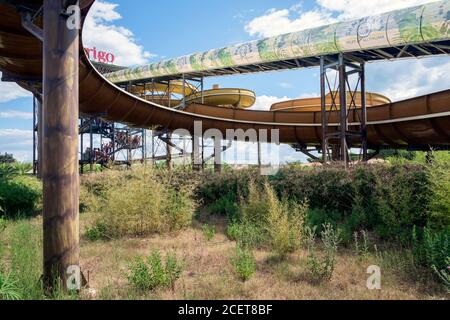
(422,121)
(411,26)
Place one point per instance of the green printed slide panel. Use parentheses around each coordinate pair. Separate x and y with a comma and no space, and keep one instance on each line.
(322,40)
(404,26)
(436,21)
(300,44)
(245,53)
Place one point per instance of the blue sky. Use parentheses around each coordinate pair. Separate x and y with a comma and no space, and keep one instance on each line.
(142,31)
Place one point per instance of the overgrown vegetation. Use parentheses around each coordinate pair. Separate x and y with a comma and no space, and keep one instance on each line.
(209,232)
(153,272)
(244,263)
(20,195)
(136,203)
(299,221)
(321,267)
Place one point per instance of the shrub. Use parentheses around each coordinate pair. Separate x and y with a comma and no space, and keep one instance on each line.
(20,196)
(8,171)
(403,199)
(209,232)
(234,184)
(444,275)
(439,176)
(153,273)
(431,249)
(255,208)
(23,168)
(246,234)
(233,231)
(7,158)
(285,223)
(138,203)
(178,209)
(321,268)
(244,263)
(96,232)
(267,220)
(361,248)
(226,206)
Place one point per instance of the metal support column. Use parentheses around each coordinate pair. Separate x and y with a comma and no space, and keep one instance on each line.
(343,110)
(60,146)
(91,141)
(343,106)
(324,110)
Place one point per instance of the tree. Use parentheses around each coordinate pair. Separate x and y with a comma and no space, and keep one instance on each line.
(7,158)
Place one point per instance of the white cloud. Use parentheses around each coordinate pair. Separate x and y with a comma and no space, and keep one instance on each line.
(13,114)
(18,142)
(349,9)
(276,22)
(11,91)
(280,21)
(412,78)
(101,32)
(263,103)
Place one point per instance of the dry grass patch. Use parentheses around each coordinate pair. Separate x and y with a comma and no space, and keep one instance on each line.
(208,272)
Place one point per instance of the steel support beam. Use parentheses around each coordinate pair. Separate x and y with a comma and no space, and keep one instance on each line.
(60,146)
(344,139)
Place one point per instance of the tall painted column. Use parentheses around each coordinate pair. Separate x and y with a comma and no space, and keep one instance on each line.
(60,145)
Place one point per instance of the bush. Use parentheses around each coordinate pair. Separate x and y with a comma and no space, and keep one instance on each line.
(233,231)
(444,275)
(20,197)
(388,199)
(432,251)
(226,206)
(137,203)
(431,248)
(153,273)
(402,200)
(209,232)
(285,223)
(321,268)
(439,176)
(96,232)
(267,220)
(246,234)
(8,171)
(244,263)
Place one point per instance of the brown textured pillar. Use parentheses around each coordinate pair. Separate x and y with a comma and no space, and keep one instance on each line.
(40,128)
(60,145)
(169,162)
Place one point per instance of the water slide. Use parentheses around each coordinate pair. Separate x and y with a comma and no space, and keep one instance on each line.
(417,122)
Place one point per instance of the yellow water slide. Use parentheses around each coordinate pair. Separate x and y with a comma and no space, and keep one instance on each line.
(315,104)
(164,94)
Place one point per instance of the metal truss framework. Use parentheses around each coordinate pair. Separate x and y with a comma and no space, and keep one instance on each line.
(117,144)
(349,83)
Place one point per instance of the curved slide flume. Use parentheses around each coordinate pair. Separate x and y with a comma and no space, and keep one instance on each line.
(422,121)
